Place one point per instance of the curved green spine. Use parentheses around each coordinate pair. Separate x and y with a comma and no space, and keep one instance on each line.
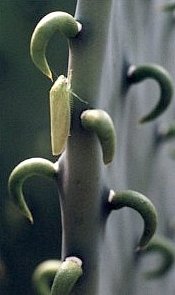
(141,204)
(68,274)
(43,274)
(99,121)
(48,25)
(28,168)
(166,249)
(137,74)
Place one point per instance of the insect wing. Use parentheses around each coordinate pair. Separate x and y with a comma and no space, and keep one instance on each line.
(59,115)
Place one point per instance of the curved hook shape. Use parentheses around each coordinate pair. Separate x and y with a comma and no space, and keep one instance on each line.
(66,277)
(100,122)
(43,274)
(141,204)
(28,168)
(48,25)
(139,73)
(167,250)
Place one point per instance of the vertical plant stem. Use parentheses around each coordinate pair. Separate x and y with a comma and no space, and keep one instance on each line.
(80,180)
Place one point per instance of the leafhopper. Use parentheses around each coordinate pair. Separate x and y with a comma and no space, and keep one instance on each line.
(61,96)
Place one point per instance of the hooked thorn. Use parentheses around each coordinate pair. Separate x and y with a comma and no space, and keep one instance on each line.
(67,275)
(28,168)
(139,73)
(166,249)
(100,122)
(47,26)
(43,274)
(142,205)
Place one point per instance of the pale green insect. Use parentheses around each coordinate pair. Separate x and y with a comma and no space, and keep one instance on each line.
(60,113)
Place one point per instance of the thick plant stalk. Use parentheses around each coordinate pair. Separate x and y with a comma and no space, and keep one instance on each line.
(81,183)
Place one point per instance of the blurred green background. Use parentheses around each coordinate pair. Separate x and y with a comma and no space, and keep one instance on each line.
(24,133)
